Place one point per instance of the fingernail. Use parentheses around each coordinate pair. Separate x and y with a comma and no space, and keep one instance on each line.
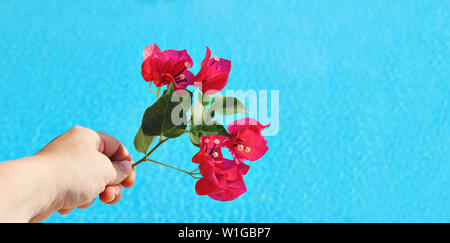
(115,195)
(125,166)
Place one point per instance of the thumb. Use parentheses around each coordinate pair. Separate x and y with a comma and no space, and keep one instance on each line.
(122,170)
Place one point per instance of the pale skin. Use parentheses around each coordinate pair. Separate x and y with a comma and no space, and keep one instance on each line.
(71,171)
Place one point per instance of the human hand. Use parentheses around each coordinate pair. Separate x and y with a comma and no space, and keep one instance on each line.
(86,164)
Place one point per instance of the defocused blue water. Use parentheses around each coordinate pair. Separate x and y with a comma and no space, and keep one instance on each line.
(364,93)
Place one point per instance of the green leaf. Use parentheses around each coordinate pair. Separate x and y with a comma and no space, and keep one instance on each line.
(158,120)
(142,142)
(195,140)
(199,130)
(227,105)
(204,99)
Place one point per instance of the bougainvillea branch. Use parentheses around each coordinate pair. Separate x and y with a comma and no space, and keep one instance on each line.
(173,115)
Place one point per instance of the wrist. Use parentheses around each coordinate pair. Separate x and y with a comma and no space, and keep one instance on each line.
(49,190)
(30,186)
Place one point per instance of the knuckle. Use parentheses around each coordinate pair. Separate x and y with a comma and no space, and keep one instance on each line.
(77,128)
(82,132)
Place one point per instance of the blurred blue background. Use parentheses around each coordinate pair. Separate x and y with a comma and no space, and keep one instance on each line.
(364,101)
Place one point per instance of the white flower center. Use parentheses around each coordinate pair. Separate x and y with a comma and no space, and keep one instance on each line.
(187,64)
(182,76)
(216,141)
(240,147)
(216,59)
(247,149)
(215,154)
(206,140)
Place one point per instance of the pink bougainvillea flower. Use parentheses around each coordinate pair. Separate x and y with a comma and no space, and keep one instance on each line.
(247,142)
(151,50)
(222,178)
(213,75)
(183,80)
(180,82)
(168,66)
(213,145)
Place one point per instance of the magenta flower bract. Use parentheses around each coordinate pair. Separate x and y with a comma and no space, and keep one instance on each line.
(222,178)
(167,67)
(247,142)
(213,75)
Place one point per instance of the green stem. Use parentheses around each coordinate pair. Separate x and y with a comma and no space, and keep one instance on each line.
(151,151)
(140,161)
(175,168)
(157,94)
(150,88)
(145,158)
